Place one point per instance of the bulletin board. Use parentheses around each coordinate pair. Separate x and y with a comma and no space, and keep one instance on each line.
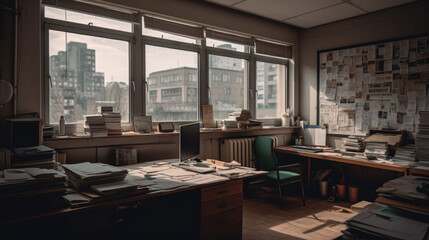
(373,86)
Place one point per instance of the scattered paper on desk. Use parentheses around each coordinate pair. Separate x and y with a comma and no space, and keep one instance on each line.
(176,172)
(151,169)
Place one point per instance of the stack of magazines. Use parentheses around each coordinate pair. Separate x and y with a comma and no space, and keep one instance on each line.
(37,156)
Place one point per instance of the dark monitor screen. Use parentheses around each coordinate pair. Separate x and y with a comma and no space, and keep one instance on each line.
(189,141)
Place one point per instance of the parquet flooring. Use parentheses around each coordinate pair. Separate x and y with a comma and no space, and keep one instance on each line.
(318,220)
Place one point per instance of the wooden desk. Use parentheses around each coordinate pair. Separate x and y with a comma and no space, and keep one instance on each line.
(197,211)
(343,159)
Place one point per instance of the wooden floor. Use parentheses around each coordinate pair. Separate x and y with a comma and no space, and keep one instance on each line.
(320,219)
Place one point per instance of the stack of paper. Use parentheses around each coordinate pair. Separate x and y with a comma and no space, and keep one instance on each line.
(230,123)
(36,156)
(22,183)
(250,124)
(385,223)
(422,139)
(95,126)
(353,143)
(241,115)
(407,192)
(377,145)
(83,175)
(405,153)
(113,123)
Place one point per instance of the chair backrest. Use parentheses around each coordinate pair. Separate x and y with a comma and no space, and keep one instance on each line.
(264,155)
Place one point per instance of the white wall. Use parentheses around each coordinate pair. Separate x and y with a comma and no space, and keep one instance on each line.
(403,21)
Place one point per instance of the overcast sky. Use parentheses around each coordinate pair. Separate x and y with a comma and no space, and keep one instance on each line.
(112,56)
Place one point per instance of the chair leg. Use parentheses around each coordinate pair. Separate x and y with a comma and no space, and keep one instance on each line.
(302,194)
(280,196)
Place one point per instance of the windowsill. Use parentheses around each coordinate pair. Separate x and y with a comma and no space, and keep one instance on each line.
(133,138)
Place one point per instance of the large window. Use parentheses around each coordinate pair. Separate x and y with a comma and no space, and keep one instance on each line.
(87,72)
(177,66)
(270,81)
(171,76)
(224,88)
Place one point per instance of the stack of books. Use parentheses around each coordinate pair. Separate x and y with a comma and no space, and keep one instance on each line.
(353,144)
(83,175)
(422,139)
(104,109)
(48,131)
(113,123)
(250,124)
(241,115)
(36,156)
(230,123)
(95,126)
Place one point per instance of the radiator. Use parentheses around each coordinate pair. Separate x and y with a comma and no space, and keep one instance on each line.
(241,150)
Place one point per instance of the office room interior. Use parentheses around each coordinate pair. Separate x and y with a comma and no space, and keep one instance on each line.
(337,90)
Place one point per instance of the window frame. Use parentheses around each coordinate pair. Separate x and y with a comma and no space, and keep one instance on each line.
(279,61)
(138,85)
(91,31)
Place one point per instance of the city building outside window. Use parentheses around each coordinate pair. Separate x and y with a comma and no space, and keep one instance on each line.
(177,71)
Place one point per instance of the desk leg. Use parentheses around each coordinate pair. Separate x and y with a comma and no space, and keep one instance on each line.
(309,174)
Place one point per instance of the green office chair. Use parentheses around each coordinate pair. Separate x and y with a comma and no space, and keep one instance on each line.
(266,160)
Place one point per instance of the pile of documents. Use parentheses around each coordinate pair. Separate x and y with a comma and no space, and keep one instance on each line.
(401,211)
(113,123)
(353,143)
(241,115)
(405,153)
(95,126)
(407,192)
(422,139)
(37,156)
(250,124)
(83,175)
(377,145)
(22,183)
(379,221)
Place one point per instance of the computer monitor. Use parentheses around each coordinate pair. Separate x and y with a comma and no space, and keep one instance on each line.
(189,141)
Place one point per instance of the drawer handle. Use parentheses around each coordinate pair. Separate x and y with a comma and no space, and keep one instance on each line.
(222,192)
(223,205)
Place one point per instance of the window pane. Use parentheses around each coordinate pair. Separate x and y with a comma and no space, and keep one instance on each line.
(228,84)
(172,77)
(270,83)
(225,45)
(86,73)
(82,18)
(164,35)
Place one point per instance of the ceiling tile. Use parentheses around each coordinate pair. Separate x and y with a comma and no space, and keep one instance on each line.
(372,5)
(224,2)
(327,15)
(283,9)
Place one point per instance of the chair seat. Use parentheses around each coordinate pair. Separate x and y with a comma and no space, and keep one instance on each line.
(285,176)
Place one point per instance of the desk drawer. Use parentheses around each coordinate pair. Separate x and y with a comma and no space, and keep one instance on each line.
(221,221)
(221,205)
(221,191)
(232,233)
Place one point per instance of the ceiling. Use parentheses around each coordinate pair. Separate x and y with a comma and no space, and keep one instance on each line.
(309,13)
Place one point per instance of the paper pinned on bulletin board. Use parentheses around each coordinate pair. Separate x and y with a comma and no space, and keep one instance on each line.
(314,135)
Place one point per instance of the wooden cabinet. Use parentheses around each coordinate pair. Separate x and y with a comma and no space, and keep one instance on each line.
(222,210)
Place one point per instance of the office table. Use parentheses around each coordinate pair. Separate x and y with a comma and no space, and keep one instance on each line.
(210,210)
(335,157)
